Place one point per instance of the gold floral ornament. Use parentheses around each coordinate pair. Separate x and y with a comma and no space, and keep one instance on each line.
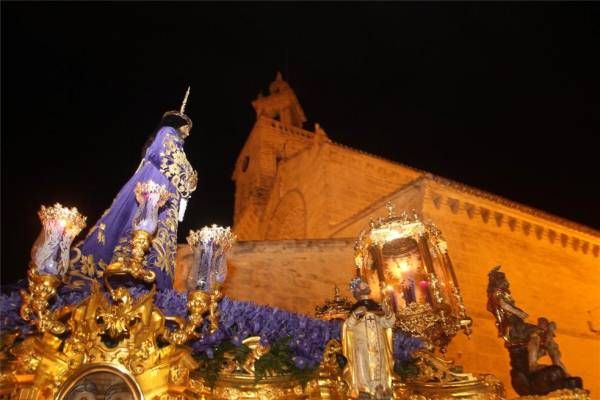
(175,166)
(164,243)
(199,303)
(49,262)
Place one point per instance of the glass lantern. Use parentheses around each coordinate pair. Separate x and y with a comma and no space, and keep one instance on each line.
(209,264)
(407,259)
(151,197)
(50,254)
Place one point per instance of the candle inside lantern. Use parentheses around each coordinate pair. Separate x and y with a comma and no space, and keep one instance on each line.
(60,225)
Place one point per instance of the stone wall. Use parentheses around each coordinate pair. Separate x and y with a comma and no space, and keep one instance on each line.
(295,275)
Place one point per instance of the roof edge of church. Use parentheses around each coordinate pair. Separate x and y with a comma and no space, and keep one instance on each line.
(486,195)
(535,212)
(306,134)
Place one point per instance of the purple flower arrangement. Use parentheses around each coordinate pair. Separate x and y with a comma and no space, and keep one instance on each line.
(403,346)
(239,320)
(307,337)
(9,313)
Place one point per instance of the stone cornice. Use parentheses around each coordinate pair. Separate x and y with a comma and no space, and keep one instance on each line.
(514,205)
(539,227)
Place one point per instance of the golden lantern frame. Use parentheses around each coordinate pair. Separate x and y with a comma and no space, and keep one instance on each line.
(437,311)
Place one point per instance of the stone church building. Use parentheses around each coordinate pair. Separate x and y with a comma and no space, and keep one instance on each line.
(302,199)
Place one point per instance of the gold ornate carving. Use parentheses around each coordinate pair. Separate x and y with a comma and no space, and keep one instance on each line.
(35,307)
(69,217)
(133,265)
(118,332)
(199,304)
(165,240)
(176,167)
(416,319)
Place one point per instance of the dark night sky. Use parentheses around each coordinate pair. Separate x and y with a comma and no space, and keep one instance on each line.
(501,96)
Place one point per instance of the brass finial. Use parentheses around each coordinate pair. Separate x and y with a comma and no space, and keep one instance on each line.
(185,99)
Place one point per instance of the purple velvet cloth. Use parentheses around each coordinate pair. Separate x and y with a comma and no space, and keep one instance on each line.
(115,225)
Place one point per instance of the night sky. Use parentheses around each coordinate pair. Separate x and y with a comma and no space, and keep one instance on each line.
(503,97)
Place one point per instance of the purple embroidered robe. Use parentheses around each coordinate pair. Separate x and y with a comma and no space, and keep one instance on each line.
(164,163)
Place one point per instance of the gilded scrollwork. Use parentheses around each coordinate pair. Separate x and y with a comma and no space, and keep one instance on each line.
(175,166)
(164,243)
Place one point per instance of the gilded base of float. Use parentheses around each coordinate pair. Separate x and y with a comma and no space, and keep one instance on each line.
(480,387)
(36,369)
(170,380)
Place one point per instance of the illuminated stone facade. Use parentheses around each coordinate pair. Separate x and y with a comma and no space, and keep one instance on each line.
(301,201)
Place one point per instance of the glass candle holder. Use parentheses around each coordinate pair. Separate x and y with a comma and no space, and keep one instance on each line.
(151,197)
(209,265)
(60,225)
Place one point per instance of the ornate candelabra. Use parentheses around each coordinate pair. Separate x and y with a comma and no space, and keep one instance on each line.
(121,335)
(49,263)
(407,261)
(207,274)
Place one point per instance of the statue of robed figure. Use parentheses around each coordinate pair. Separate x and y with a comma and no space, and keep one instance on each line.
(367,345)
(165,164)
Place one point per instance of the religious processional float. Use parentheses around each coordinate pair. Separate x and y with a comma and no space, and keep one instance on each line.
(100,319)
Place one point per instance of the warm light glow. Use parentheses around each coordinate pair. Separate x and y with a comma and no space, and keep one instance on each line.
(392,235)
(400,268)
(404,266)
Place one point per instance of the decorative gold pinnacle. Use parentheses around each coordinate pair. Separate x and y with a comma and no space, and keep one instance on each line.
(70,218)
(214,233)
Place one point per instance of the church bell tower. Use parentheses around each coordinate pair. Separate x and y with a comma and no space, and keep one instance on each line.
(281,104)
(276,135)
